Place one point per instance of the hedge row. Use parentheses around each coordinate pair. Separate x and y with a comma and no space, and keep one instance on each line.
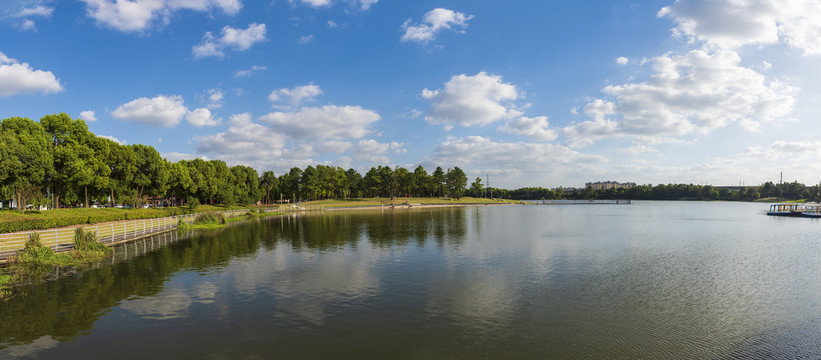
(12,221)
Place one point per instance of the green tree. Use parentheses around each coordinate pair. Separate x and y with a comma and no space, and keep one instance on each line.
(224,183)
(456,182)
(438,181)
(122,164)
(420,182)
(476,187)
(24,157)
(91,169)
(179,182)
(268,183)
(151,175)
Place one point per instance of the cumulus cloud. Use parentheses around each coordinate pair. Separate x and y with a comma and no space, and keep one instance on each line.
(621,60)
(432,23)
(516,159)
(373,151)
(249,72)
(244,141)
(471,101)
(329,122)
(88,115)
(536,128)
(695,92)
(140,15)
(230,38)
(17,78)
(296,95)
(161,110)
(201,117)
(334,146)
(730,24)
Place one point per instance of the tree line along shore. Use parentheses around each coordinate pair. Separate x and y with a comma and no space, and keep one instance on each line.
(58,162)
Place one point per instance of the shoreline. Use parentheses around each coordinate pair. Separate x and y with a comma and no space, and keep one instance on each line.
(410,206)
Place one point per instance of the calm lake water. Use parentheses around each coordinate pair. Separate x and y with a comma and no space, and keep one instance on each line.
(648,280)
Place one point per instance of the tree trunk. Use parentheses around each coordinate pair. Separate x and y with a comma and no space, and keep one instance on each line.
(85,188)
(112,198)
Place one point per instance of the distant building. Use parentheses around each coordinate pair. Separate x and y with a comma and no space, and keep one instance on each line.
(604,185)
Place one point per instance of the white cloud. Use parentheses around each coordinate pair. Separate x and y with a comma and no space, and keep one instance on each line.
(231,38)
(37,10)
(432,23)
(366,4)
(314,3)
(534,128)
(373,151)
(471,100)
(177,156)
(213,97)
(16,78)
(88,115)
(695,92)
(794,150)
(329,122)
(621,60)
(733,23)
(140,15)
(296,95)
(161,110)
(331,24)
(249,72)
(334,146)
(305,39)
(244,142)
(360,4)
(27,12)
(521,162)
(28,24)
(201,117)
(109,137)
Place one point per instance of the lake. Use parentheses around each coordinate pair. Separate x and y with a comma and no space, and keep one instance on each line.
(716,280)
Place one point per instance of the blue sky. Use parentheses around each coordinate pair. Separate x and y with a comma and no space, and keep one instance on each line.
(533,93)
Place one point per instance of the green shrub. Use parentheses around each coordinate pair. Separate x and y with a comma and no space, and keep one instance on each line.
(251,214)
(193,203)
(87,241)
(209,218)
(34,251)
(182,225)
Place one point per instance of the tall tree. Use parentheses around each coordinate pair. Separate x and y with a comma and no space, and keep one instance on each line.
(438,181)
(151,176)
(268,182)
(24,157)
(179,181)
(476,187)
(90,170)
(455,182)
(122,164)
(420,181)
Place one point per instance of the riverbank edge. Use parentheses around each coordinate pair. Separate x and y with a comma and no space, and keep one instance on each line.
(411,206)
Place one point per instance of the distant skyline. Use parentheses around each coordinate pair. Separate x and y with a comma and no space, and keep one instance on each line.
(531,93)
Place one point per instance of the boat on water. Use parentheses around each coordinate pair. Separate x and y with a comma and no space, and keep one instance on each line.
(810,210)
